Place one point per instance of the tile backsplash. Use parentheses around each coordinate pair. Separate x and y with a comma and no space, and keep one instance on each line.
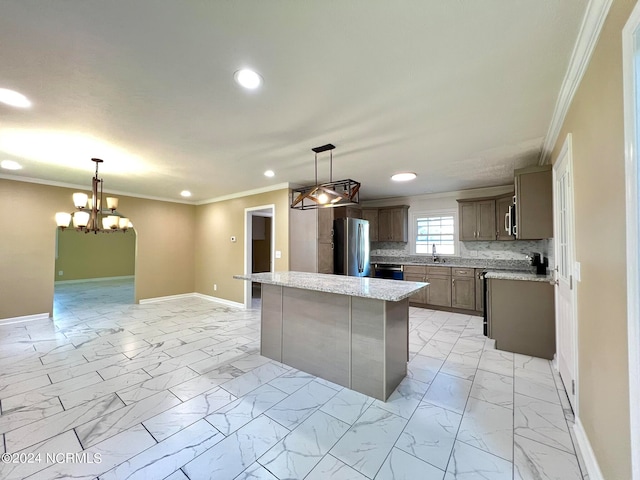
(516,250)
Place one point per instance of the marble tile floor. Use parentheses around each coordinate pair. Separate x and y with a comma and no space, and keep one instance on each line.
(178,390)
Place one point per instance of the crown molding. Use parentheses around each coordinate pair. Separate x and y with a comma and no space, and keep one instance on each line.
(594,17)
(75,186)
(245,193)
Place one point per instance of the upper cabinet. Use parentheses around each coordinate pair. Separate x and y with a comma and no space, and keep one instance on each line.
(393,224)
(477,219)
(534,203)
(371,215)
(503,203)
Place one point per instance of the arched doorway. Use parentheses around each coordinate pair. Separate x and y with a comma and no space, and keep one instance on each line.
(93,270)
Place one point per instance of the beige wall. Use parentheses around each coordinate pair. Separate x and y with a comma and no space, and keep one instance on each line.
(217,258)
(165,246)
(595,120)
(83,256)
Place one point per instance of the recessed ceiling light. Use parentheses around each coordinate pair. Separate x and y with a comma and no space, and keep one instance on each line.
(185,193)
(10,165)
(13,98)
(403,177)
(248,78)
(269,173)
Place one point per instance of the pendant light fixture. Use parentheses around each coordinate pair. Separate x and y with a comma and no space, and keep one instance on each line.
(326,195)
(89,215)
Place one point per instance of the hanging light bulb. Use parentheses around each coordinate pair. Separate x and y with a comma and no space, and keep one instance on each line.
(323,198)
(123,223)
(80,199)
(112,203)
(80,219)
(63,219)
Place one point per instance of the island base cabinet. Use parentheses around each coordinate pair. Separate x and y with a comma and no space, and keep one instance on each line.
(315,333)
(521,317)
(359,343)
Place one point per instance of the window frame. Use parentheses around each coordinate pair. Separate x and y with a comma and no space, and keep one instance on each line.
(413,230)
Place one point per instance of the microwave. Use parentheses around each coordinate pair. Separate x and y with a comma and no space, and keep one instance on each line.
(510,219)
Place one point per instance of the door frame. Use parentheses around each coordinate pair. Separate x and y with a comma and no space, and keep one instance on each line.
(566,155)
(631,145)
(248,245)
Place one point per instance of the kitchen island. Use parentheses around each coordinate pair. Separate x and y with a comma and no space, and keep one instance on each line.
(352,331)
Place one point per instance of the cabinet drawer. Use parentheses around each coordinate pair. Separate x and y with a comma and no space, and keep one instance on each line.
(415,269)
(462,272)
(439,271)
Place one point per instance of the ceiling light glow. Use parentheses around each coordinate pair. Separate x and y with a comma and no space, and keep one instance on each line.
(248,78)
(403,177)
(13,98)
(185,193)
(10,165)
(269,173)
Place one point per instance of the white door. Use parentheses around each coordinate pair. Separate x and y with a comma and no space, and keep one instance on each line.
(564,251)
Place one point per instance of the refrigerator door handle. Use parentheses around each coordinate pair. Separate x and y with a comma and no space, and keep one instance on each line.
(359,250)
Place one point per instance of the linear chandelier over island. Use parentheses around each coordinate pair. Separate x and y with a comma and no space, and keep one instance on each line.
(89,216)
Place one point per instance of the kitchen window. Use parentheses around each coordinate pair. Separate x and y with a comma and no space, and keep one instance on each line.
(437,229)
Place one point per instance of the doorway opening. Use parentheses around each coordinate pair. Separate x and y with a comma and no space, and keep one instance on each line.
(93,271)
(259,242)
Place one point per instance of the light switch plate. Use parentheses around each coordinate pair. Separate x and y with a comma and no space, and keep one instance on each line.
(576,271)
(278,254)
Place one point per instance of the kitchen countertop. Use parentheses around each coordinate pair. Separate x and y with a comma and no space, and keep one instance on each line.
(527,276)
(456,262)
(376,288)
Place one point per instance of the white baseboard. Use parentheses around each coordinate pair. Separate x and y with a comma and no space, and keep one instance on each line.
(100,279)
(165,299)
(192,295)
(219,300)
(24,318)
(593,469)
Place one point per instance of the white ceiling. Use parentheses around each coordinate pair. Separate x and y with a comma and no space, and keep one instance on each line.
(458,91)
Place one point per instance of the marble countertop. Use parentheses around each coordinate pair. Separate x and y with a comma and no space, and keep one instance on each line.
(376,288)
(456,262)
(531,277)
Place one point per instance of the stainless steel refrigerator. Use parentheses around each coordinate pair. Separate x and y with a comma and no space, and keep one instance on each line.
(351,247)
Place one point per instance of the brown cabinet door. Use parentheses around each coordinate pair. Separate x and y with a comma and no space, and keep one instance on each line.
(502,208)
(371,215)
(325,226)
(385,225)
(439,290)
(467,214)
(534,203)
(479,291)
(463,292)
(325,257)
(418,297)
(486,220)
(399,227)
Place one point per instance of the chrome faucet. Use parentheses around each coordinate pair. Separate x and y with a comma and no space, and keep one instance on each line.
(434,258)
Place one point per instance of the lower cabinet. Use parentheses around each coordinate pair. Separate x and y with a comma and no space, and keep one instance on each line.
(418,297)
(521,316)
(439,289)
(451,287)
(463,288)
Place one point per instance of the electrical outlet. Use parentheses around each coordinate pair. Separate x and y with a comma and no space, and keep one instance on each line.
(278,254)
(60,273)
(215,287)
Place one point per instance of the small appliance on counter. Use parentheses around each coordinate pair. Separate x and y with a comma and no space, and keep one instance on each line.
(540,262)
